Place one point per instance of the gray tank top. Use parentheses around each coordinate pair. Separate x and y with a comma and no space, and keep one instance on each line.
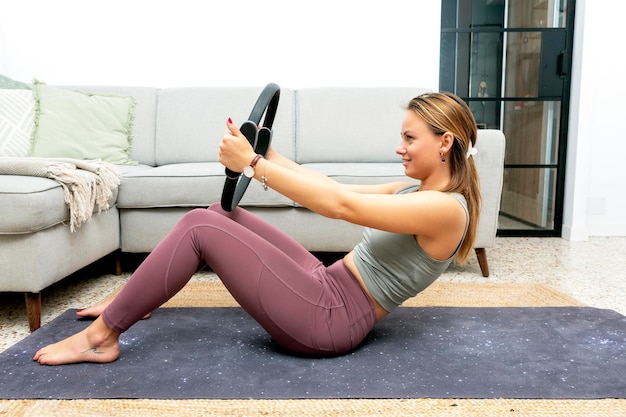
(394,267)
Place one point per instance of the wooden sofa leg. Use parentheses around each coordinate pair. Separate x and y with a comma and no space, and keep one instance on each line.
(33,310)
(118,263)
(481,254)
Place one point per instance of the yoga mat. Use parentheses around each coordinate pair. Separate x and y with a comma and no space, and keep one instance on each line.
(434,352)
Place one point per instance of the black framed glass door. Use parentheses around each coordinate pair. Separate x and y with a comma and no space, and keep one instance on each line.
(510,60)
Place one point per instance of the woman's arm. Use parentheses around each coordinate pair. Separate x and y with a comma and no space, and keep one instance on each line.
(425,213)
(386,188)
(280,159)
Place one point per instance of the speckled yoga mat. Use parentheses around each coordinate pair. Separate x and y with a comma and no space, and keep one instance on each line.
(416,352)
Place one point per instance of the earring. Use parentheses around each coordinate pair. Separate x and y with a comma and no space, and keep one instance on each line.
(443,158)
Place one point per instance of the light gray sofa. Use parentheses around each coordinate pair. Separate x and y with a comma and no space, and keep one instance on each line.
(348,133)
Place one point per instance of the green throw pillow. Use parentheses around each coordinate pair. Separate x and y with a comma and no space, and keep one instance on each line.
(79,125)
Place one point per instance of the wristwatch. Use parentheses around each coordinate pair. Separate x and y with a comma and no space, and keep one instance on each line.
(249,170)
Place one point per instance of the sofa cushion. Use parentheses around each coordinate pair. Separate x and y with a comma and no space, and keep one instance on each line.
(191,121)
(196,184)
(350,124)
(83,126)
(30,204)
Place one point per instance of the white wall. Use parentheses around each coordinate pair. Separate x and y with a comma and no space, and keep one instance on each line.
(595,200)
(226,43)
(321,43)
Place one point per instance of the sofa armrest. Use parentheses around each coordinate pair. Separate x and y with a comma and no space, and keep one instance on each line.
(490,165)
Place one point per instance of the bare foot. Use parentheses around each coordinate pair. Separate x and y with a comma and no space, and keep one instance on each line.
(96,311)
(96,343)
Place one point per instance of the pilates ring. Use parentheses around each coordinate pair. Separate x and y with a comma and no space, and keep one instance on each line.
(260,138)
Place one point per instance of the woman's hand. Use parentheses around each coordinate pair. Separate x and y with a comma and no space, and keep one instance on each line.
(235,152)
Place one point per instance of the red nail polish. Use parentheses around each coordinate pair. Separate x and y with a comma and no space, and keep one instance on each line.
(230,121)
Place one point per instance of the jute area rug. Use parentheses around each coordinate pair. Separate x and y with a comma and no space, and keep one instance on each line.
(213,294)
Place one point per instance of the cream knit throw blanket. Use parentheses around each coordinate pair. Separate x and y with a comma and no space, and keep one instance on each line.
(87,185)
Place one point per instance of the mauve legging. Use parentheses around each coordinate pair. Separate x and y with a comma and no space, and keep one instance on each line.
(306,307)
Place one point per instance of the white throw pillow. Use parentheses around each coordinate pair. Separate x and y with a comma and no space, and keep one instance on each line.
(17,114)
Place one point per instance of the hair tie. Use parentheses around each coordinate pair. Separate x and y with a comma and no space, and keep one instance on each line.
(472,151)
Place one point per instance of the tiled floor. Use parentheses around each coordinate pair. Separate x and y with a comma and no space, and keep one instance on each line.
(592,272)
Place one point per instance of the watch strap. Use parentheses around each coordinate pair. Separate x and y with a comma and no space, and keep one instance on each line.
(255,160)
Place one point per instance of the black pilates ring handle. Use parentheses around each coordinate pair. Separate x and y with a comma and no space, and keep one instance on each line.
(260,138)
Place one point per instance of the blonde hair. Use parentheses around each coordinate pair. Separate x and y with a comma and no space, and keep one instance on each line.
(445,112)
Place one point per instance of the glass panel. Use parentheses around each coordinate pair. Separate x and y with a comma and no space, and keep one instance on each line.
(523,57)
(478,14)
(487,13)
(542,14)
(485,64)
(531,129)
(448,14)
(486,113)
(463,14)
(528,197)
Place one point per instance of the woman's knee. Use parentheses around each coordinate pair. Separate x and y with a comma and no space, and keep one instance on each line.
(217,208)
(196,216)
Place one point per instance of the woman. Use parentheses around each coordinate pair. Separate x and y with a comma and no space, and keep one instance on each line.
(412,234)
